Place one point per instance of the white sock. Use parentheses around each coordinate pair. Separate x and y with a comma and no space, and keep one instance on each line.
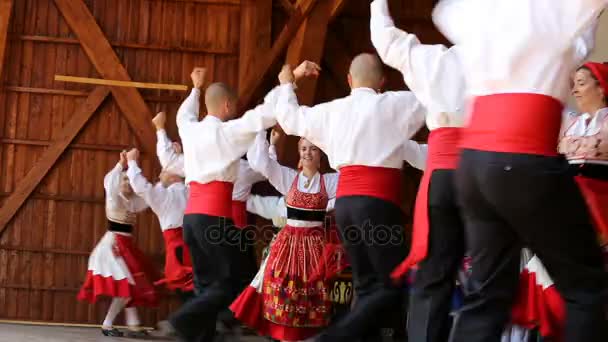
(117,305)
(132,317)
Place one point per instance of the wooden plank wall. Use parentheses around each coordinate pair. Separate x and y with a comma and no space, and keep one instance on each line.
(43,253)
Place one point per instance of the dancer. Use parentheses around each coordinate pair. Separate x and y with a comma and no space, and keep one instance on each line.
(295,306)
(513,188)
(434,74)
(167,199)
(220,251)
(117,268)
(363,136)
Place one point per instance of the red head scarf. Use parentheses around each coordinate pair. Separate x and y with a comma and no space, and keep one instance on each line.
(600,71)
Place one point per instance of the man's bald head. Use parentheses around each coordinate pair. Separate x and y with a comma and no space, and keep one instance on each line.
(220,100)
(366,70)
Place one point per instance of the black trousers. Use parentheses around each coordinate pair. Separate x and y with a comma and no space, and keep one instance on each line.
(222,267)
(431,293)
(372,233)
(511,200)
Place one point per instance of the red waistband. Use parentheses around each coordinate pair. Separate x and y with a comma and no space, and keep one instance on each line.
(514,123)
(444,148)
(214,199)
(379,182)
(239,213)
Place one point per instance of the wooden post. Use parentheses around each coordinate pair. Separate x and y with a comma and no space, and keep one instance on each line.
(256,40)
(6,9)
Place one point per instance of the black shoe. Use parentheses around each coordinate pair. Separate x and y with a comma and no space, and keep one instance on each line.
(112,332)
(137,334)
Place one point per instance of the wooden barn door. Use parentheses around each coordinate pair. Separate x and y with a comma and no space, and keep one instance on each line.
(57,140)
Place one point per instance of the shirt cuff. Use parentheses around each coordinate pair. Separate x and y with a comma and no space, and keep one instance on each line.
(133,166)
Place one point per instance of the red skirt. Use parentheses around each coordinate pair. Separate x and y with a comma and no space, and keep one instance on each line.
(117,268)
(595,192)
(178,275)
(538,303)
(295,307)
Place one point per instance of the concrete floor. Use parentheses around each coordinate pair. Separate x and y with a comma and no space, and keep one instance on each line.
(34,333)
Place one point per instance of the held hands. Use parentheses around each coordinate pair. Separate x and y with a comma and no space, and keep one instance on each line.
(286,75)
(133,155)
(159,120)
(307,69)
(123,159)
(198,77)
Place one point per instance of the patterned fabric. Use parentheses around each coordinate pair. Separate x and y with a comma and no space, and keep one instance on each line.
(291,299)
(297,199)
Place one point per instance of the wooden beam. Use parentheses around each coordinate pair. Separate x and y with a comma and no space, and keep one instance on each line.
(47,91)
(31,180)
(6,9)
(257,76)
(256,35)
(337,7)
(138,46)
(44,143)
(308,44)
(115,83)
(107,64)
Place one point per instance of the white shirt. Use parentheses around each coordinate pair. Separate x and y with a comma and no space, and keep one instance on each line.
(364,128)
(174,162)
(517,46)
(416,154)
(119,208)
(212,148)
(169,160)
(432,72)
(168,203)
(282,177)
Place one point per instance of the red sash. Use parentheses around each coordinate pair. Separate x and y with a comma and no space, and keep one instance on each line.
(239,214)
(443,155)
(595,192)
(379,182)
(514,123)
(213,199)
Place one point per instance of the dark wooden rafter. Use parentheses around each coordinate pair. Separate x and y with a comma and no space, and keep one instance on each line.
(257,76)
(106,62)
(26,185)
(308,44)
(6,9)
(256,35)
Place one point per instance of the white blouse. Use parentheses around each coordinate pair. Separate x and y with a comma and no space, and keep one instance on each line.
(282,177)
(169,160)
(432,72)
(119,208)
(168,203)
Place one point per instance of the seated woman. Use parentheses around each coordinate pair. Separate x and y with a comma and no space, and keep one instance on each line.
(294,306)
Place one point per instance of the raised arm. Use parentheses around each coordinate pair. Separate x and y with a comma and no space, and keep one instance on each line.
(416,154)
(153,196)
(164,146)
(111,181)
(268,207)
(279,176)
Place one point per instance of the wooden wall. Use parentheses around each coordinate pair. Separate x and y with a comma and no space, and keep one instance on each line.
(44,249)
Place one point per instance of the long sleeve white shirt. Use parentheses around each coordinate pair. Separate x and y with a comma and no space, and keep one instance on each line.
(365,128)
(169,160)
(119,208)
(432,72)
(168,203)
(517,46)
(282,177)
(416,154)
(212,148)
